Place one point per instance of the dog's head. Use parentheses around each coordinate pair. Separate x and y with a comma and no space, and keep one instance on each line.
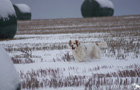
(74,44)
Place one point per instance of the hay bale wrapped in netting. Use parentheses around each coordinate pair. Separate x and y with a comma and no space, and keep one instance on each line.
(8,20)
(23,11)
(97,8)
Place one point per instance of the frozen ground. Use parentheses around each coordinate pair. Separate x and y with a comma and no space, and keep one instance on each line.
(45,61)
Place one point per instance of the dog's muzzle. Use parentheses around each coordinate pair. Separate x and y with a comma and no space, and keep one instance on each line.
(72,47)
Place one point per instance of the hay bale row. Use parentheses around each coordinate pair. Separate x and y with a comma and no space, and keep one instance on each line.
(9,14)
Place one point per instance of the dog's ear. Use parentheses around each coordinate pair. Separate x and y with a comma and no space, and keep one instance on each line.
(77,42)
(70,43)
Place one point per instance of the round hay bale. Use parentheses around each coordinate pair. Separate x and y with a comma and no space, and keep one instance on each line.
(9,78)
(97,8)
(8,20)
(23,11)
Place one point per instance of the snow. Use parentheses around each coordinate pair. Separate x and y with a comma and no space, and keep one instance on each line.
(45,57)
(81,68)
(6,9)
(105,3)
(9,79)
(51,38)
(48,56)
(23,8)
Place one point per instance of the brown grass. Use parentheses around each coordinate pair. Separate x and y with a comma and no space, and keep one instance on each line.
(78,25)
(115,80)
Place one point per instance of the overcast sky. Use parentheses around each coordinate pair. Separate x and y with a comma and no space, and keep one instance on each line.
(51,9)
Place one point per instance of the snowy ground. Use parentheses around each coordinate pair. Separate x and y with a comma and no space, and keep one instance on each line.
(45,61)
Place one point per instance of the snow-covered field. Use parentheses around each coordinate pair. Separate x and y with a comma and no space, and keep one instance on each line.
(45,61)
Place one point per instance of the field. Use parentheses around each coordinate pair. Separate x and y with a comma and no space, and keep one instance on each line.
(44,60)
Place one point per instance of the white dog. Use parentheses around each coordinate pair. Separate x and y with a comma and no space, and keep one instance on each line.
(86,51)
(136,86)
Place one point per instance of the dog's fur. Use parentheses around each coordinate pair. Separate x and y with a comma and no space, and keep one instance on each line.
(136,86)
(86,51)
